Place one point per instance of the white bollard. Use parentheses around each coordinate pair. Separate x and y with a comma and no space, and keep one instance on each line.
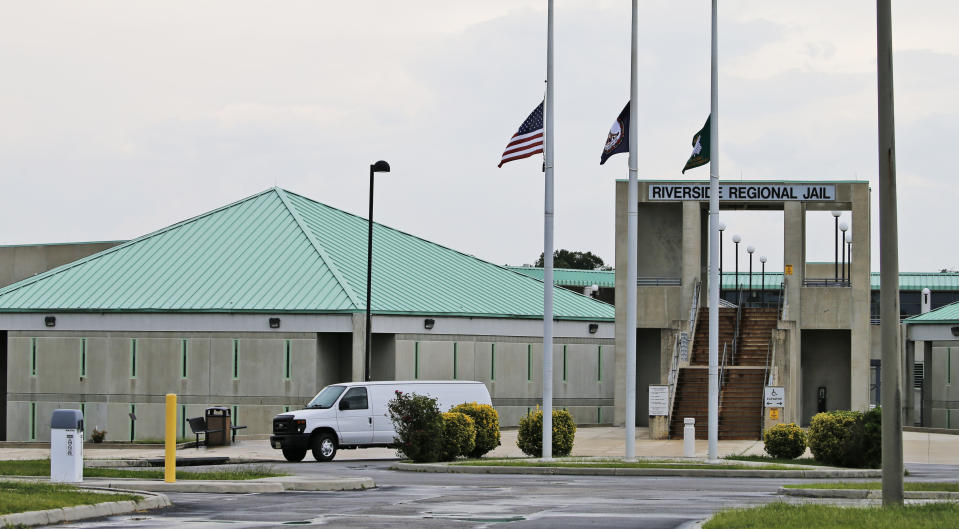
(689,437)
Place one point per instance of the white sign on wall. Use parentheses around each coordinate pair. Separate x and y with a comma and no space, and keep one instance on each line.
(746,192)
(658,400)
(774,397)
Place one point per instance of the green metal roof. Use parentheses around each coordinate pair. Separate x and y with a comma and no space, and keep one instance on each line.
(281,252)
(571,276)
(912,281)
(944,314)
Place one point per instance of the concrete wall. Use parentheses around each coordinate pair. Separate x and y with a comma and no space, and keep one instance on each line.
(46,371)
(825,362)
(512,370)
(21,262)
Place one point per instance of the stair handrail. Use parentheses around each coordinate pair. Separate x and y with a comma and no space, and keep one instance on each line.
(686,339)
(767,380)
(671,381)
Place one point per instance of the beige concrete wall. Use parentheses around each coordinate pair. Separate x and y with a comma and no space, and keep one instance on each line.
(259,387)
(21,262)
(512,370)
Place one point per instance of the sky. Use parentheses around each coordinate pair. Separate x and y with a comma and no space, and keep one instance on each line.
(120,118)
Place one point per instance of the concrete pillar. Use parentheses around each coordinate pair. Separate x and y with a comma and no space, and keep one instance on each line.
(692,250)
(358,371)
(794,254)
(908,403)
(860,332)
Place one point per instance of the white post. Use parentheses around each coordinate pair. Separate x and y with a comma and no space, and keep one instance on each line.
(713,418)
(548,247)
(689,437)
(632,229)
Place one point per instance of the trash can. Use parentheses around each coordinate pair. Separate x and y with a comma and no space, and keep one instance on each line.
(218,418)
(66,446)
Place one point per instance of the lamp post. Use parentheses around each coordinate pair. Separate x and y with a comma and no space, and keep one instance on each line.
(835,244)
(736,240)
(721,227)
(843,227)
(750,249)
(762,291)
(848,238)
(378,167)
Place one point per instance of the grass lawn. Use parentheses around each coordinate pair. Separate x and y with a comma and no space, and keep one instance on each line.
(621,464)
(940,486)
(22,497)
(792,516)
(41,467)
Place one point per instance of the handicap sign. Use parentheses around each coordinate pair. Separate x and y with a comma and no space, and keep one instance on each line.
(774,396)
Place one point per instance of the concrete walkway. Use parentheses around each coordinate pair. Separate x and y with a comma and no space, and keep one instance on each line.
(594,441)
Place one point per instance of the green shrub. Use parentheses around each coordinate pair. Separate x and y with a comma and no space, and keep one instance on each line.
(784,441)
(486,420)
(836,438)
(459,435)
(419,426)
(530,435)
(872,438)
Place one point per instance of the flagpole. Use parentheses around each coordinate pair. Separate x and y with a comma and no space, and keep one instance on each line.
(631,240)
(548,246)
(713,417)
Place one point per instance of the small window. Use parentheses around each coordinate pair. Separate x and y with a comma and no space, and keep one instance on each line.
(83,357)
(33,357)
(286,360)
(183,358)
(354,399)
(236,359)
(133,360)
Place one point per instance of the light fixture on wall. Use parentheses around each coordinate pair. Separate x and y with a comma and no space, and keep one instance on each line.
(593,327)
(274,323)
(428,323)
(50,321)
(955,331)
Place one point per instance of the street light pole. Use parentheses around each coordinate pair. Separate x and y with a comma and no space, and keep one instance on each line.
(843,227)
(750,249)
(721,228)
(762,292)
(849,253)
(736,240)
(378,167)
(835,244)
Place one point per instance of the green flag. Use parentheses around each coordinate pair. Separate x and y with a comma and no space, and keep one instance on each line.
(700,154)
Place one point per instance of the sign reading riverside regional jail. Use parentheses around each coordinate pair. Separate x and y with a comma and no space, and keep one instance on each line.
(658,400)
(774,396)
(745,192)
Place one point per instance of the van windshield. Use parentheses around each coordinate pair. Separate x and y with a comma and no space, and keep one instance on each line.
(326,397)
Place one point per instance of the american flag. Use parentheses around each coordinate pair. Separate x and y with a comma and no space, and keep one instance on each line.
(528,140)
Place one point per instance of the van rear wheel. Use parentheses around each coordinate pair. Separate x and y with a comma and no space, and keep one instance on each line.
(324,447)
(294,455)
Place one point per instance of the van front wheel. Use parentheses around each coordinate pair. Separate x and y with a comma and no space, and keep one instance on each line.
(324,447)
(294,455)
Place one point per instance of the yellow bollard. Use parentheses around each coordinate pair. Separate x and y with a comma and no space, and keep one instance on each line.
(169,464)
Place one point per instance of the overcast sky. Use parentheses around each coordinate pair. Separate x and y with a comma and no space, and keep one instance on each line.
(119,118)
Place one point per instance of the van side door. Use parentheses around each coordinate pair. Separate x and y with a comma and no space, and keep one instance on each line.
(353,417)
(383,432)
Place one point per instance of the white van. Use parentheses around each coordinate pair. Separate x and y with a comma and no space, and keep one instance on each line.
(354,415)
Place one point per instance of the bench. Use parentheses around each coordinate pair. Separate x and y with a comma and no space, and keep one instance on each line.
(233,430)
(198,426)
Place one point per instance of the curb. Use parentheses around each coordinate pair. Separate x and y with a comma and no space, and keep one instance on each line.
(673,472)
(324,484)
(82,512)
(250,486)
(866,494)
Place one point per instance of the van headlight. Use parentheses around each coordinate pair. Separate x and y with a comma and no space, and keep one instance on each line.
(300,425)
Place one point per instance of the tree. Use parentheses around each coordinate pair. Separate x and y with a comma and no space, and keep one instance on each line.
(576,260)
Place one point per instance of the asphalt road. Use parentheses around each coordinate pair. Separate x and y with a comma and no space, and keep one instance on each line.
(414,500)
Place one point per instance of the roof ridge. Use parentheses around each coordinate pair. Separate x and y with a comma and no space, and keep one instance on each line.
(344,284)
(54,271)
(473,257)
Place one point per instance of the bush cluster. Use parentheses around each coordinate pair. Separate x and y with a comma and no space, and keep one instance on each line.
(486,420)
(459,435)
(418,425)
(424,435)
(785,441)
(530,435)
(847,438)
